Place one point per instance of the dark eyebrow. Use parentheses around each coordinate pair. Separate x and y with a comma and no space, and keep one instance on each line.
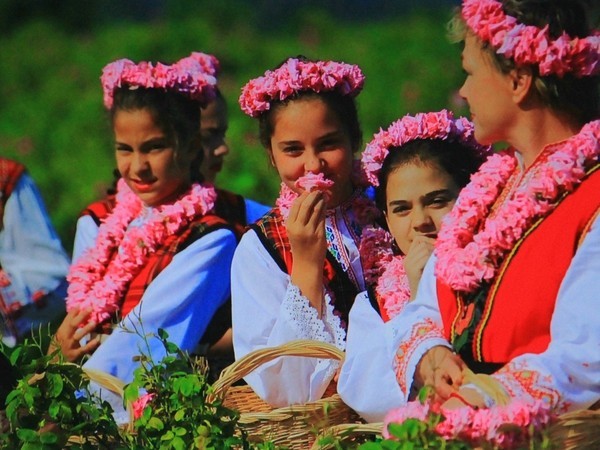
(333,134)
(397,202)
(433,194)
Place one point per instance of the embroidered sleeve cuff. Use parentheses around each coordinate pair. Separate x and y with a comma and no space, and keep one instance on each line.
(302,317)
(423,336)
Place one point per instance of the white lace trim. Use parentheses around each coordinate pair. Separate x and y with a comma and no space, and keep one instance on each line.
(301,315)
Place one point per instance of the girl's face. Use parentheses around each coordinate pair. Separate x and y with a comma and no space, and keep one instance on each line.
(418,196)
(487,91)
(308,137)
(147,160)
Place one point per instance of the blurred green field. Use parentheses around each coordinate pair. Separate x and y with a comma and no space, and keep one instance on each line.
(51,114)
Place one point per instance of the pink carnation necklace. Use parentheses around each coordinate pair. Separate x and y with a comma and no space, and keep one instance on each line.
(99,279)
(385,271)
(475,237)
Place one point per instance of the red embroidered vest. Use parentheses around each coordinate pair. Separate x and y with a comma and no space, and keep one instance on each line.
(164,255)
(10,172)
(272,233)
(519,305)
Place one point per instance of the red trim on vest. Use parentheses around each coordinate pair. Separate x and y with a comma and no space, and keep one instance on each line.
(520,303)
(10,172)
(272,232)
(162,257)
(101,209)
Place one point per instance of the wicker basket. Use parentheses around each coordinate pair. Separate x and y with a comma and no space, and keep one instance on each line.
(293,427)
(577,430)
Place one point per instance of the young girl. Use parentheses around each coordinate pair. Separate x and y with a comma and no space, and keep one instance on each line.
(161,258)
(512,287)
(418,164)
(296,272)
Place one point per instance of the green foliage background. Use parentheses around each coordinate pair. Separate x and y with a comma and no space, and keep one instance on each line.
(51,113)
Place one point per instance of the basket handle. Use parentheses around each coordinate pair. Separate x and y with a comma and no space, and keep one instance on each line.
(243,366)
(105,380)
(347,430)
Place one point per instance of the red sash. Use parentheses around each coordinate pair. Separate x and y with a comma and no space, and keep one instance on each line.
(519,305)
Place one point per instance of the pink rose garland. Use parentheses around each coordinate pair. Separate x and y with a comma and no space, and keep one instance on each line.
(193,76)
(472,243)
(295,76)
(528,44)
(479,426)
(99,279)
(431,125)
(385,271)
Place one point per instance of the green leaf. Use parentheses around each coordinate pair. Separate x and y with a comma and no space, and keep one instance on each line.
(54,409)
(14,356)
(171,347)
(180,431)
(163,334)
(27,435)
(180,414)
(156,423)
(48,438)
(167,436)
(178,444)
(55,384)
(131,392)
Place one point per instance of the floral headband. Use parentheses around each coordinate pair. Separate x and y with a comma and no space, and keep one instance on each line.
(295,76)
(193,76)
(528,44)
(431,125)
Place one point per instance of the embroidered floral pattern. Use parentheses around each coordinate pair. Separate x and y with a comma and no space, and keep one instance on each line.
(420,333)
(520,381)
(528,44)
(99,279)
(472,243)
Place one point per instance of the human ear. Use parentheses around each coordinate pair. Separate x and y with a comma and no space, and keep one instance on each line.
(271,159)
(521,79)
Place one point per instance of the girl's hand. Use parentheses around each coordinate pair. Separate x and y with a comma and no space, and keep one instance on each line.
(70,332)
(306,233)
(441,369)
(418,254)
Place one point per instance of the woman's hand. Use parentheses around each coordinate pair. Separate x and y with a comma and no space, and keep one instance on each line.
(306,233)
(441,369)
(418,254)
(69,334)
(464,397)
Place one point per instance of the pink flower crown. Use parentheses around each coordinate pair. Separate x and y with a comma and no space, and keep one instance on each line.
(295,76)
(193,76)
(431,125)
(528,44)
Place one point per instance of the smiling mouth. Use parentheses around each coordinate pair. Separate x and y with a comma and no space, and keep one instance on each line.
(142,186)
